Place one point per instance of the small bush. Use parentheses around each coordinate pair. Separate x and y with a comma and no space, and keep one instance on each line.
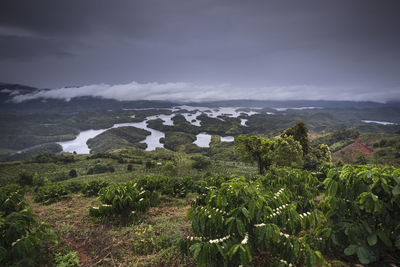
(200,162)
(39,180)
(150,164)
(111,169)
(125,200)
(73,173)
(70,259)
(100,168)
(50,193)
(25,178)
(92,188)
(22,236)
(74,187)
(129,167)
(60,176)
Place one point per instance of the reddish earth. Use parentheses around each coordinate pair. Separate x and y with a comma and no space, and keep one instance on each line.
(357,145)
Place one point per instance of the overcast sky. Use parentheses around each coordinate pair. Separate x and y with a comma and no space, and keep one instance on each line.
(319,49)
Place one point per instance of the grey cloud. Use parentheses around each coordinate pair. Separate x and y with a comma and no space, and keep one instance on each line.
(181,91)
(249,44)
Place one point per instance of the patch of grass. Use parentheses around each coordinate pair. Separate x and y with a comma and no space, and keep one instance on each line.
(152,242)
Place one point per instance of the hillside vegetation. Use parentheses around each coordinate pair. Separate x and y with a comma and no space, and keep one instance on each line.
(118,138)
(259,201)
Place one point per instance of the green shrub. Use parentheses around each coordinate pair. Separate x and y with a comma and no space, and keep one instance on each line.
(70,259)
(170,186)
(362,205)
(200,162)
(73,173)
(92,188)
(39,180)
(22,236)
(124,200)
(25,178)
(170,169)
(240,219)
(50,193)
(60,176)
(74,186)
(129,167)
(150,164)
(101,168)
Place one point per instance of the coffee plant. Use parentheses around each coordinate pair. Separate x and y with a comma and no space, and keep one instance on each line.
(124,200)
(21,234)
(169,186)
(50,193)
(92,188)
(240,222)
(362,206)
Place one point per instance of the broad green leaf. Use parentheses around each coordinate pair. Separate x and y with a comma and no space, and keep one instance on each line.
(245,212)
(350,250)
(385,239)
(233,250)
(240,227)
(397,244)
(372,239)
(363,255)
(396,190)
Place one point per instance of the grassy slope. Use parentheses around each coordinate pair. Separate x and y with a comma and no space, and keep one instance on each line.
(152,242)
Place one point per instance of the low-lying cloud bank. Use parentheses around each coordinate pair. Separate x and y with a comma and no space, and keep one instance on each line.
(181,91)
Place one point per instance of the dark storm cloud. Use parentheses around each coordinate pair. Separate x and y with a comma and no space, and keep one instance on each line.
(326,46)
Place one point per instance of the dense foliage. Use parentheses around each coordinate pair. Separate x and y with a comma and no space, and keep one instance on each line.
(363,209)
(124,200)
(280,151)
(242,221)
(22,236)
(93,187)
(174,187)
(50,192)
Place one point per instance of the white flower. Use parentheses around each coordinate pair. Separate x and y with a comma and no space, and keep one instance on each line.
(301,216)
(246,238)
(141,199)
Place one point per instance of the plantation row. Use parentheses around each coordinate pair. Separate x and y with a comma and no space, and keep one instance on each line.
(278,219)
(287,217)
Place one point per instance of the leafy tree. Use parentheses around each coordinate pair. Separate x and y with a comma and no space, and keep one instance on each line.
(200,162)
(38,180)
(253,148)
(287,152)
(317,156)
(299,133)
(281,151)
